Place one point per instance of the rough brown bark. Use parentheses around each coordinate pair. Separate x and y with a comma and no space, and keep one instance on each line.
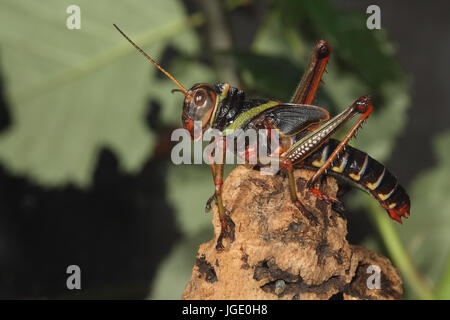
(278,253)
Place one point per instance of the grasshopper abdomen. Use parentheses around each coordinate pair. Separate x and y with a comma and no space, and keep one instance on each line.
(358,168)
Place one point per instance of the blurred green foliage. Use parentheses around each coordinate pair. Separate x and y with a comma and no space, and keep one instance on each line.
(74,91)
(88,85)
(427,238)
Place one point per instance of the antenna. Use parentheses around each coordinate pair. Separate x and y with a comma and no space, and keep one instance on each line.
(183,89)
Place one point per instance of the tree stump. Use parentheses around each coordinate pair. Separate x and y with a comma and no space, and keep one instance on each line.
(279,253)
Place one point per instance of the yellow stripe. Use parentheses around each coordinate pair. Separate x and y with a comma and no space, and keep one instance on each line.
(392,205)
(341,167)
(249,114)
(317,164)
(357,177)
(383,197)
(222,96)
(373,186)
(323,157)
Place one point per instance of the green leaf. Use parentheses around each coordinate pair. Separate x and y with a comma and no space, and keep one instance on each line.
(362,63)
(190,187)
(73,91)
(259,72)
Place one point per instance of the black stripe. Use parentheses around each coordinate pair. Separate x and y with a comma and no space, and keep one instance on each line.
(387,184)
(399,196)
(355,161)
(373,172)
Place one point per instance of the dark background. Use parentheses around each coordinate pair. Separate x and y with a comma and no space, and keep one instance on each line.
(419,31)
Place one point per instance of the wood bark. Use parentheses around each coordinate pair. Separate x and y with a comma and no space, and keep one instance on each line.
(280,253)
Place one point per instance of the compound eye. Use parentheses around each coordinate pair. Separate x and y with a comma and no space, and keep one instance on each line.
(200,98)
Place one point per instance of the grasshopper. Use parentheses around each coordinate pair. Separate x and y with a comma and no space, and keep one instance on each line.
(305,137)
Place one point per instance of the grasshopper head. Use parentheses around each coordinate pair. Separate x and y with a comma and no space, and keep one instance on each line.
(198,106)
(199,101)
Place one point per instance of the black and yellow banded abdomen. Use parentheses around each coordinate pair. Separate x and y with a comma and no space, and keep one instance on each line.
(359,168)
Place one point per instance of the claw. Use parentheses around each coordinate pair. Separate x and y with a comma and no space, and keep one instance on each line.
(300,206)
(338,206)
(208,206)
(312,219)
(227,231)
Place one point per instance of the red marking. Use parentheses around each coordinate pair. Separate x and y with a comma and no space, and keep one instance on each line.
(286,163)
(299,205)
(278,152)
(397,214)
(190,127)
(323,196)
(268,124)
(364,106)
(250,153)
(369,111)
(315,126)
(319,69)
